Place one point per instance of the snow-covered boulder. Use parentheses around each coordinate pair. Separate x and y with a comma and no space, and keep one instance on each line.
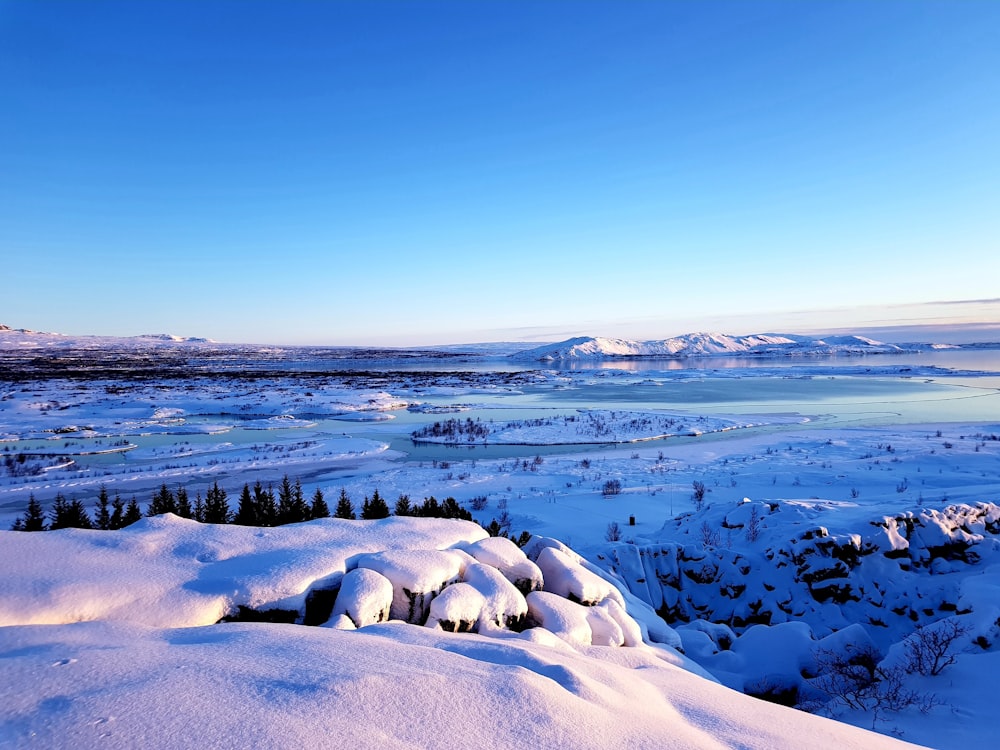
(417,576)
(457,608)
(565,619)
(510,560)
(365,597)
(604,628)
(503,604)
(567,577)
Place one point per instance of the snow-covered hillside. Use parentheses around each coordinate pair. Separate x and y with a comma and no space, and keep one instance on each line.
(713,344)
(109,642)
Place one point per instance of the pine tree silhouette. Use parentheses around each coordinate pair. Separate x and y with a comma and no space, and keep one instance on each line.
(345,509)
(33,518)
(132,513)
(216,505)
(117,513)
(403,507)
(102,512)
(375,508)
(267,509)
(286,500)
(246,511)
(183,504)
(319,508)
(163,502)
(300,509)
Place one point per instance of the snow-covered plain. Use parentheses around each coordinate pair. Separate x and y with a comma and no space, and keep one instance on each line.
(889,469)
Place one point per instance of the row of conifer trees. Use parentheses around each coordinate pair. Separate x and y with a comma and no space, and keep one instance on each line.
(257,506)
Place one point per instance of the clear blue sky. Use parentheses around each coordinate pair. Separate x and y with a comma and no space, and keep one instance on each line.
(416,172)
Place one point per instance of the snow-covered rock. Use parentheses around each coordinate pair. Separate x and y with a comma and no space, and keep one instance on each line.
(568,578)
(365,597)
(457,608)
(417,576)
(566,619)
(504,605)
(502,554)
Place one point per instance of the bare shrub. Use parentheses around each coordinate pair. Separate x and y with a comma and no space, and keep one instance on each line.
(753,524)
(614,532)
(710,537)
(858,679)
(698,495)
(930,649)
(611,487)
(479,502)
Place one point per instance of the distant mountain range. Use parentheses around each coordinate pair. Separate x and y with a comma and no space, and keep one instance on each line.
(690,345)
(24,338)
(718,344)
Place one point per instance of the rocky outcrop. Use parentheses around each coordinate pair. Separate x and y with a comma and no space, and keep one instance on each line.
(890,571)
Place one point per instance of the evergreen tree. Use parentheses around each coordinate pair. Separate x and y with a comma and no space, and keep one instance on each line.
(374,508)
(183,503)
(132,513)
(403,507)
(286,500)
(300,509)
(78,516)
(117,513)
(163,502)
(267,508)
(199,508)
(246,511)
(319,508)
(59,513)
(69,515)
(345,509)
(216,505)
(451,509)
(33,518)
(102,512)
(430,508)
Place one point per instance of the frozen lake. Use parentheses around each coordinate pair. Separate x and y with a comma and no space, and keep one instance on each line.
(310,416)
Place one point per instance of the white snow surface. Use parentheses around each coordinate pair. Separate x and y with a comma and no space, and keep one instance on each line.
(108,641)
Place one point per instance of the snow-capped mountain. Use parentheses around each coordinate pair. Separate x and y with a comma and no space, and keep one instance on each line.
(714,344)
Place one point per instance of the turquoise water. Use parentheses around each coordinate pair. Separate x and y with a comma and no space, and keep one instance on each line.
(827,400)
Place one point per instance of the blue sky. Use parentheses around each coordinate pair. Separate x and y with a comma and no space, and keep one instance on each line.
(415,173)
